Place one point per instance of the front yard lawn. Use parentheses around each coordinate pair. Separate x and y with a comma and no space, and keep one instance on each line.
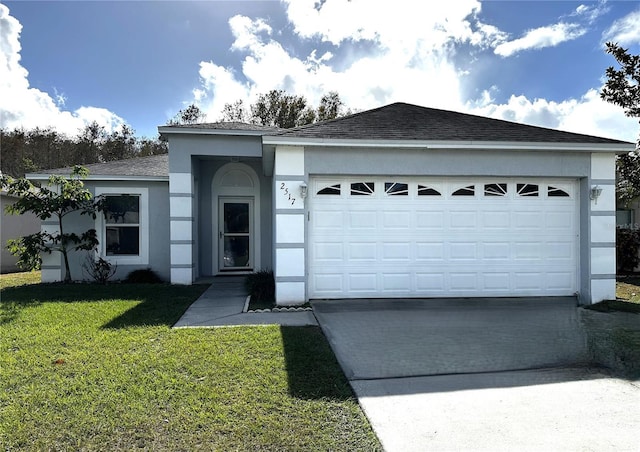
(91,367)
(628,288)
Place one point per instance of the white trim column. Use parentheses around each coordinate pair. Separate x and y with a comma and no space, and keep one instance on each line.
(51,269)
(181,227)
(603,228)
(289,226)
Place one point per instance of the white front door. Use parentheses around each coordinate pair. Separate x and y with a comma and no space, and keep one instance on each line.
(235,234)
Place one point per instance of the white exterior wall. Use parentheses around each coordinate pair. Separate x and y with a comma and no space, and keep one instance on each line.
(13,227)
(52,267)
(289,224)
(603,228)
(181,227)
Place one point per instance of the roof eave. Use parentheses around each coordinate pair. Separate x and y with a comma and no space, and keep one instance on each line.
(430,144)
(104,177)
(168,130)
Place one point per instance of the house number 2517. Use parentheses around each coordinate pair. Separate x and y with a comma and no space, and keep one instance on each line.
(287,194)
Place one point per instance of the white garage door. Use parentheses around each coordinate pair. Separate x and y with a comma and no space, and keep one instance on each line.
(427,237)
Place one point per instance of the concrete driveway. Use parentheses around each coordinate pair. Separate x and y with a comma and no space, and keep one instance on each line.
(479,374)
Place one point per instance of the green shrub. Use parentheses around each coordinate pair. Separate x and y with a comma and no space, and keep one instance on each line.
(143,276)
(627,246)
(261,286)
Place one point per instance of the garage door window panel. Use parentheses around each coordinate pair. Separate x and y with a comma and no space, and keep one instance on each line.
(469,190)
(528,190)
(499,189)
(396,189)
(362,188)
(330,190)
(556,192)
(425,190)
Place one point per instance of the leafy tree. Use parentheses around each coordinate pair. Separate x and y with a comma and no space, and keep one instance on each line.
(120,144)
(235,112)
(622,88)
(89,144)
(279,109)
(190,115)
(147,146)
(61,197)
(24,151)
(330,107)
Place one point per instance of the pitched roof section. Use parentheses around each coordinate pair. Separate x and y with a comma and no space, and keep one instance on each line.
(153,166)
(401,121)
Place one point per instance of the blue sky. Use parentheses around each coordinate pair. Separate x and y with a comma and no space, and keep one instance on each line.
(64,64)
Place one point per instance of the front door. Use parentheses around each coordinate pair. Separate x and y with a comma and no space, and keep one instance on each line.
(235,234)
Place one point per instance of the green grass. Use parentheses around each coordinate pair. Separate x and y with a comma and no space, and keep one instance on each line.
(92,367)
(19,279)
(628,289)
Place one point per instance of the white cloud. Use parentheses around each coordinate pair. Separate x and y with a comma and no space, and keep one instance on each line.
(591,12)
(538,38)
(408,57)
(624,31)
(23,106)
(589,115)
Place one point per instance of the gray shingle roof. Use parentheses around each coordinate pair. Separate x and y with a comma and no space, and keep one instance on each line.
(401,121)
(151,166)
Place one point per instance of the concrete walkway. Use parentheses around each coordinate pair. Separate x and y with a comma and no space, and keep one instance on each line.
(223,302)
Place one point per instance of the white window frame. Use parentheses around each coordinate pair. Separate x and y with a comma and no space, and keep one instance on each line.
(143,257)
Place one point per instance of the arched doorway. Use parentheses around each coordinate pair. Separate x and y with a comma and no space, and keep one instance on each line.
(236,220)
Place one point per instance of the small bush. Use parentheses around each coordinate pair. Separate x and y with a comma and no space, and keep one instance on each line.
(261,286)
(627,246)
(99,270)
(143,276)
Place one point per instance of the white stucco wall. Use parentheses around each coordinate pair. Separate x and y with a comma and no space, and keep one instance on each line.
(13,227)
(289,225)
(602,231)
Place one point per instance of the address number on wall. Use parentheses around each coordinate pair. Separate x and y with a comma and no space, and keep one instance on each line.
(287,193)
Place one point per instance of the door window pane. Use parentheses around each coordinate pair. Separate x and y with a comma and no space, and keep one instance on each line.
(236,217)
(236,251)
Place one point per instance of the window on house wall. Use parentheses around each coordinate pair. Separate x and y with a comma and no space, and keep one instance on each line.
(122,225)
(123,228)
(624,219)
